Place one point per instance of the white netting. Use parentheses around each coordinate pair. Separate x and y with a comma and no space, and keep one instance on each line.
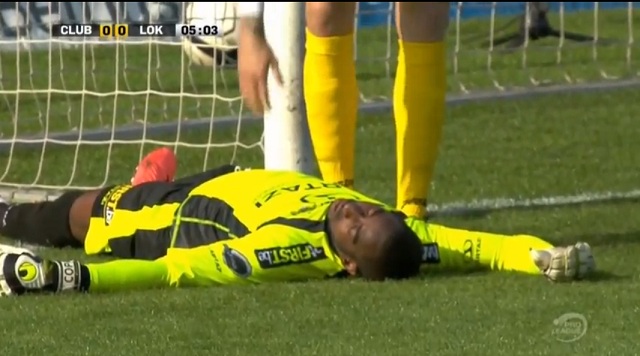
(72,110)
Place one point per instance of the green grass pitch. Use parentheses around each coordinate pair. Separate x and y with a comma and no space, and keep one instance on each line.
(545,146)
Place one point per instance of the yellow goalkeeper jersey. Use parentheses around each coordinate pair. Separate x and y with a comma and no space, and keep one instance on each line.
(276,227)
(267,226)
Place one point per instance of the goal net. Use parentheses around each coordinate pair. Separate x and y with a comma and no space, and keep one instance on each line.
(79,114)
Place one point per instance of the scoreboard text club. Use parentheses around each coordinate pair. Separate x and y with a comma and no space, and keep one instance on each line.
(132,30)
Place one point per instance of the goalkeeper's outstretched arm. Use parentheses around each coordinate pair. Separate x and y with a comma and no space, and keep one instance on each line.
(464,250)
(221,263)
(24,272)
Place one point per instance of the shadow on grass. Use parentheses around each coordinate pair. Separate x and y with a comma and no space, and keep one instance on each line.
(605,276)
(598,276)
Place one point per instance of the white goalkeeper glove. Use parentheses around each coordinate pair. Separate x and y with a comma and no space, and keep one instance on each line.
(563,264)
(22,271)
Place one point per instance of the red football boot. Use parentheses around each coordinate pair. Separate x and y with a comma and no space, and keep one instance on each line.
(158,166)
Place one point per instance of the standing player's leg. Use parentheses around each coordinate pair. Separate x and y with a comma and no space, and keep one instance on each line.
(330,88)
(419,99)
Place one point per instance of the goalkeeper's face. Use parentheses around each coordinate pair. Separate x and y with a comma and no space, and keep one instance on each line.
(362,234)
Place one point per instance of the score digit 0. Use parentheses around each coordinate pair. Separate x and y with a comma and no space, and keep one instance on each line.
(117,30)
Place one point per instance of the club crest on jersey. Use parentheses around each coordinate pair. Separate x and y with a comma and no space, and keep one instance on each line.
(290,255)
(110,202)
(236,262)
(430,253)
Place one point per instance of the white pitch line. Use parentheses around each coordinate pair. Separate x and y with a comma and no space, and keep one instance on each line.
(451,208)
(488,205)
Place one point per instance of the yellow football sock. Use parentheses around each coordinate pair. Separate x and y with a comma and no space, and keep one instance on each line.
(463,249)
(418,107)
(331,96)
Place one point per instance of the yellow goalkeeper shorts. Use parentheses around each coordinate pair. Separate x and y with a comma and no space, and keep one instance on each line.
(134,221)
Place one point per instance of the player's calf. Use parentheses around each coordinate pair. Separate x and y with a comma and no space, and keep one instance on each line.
(422,21)
(329,19)
(59,223)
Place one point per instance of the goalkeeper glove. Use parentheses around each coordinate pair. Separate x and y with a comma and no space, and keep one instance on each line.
(22,271)
(563,264)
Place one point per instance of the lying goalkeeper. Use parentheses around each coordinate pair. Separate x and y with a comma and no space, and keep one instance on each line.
(228,226)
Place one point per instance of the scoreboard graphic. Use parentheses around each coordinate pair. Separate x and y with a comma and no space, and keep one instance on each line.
(132,30)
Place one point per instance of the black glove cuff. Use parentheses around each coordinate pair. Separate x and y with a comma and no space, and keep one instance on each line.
(66,275)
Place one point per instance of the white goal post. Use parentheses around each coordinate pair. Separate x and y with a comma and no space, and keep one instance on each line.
(72,108)
(286,141)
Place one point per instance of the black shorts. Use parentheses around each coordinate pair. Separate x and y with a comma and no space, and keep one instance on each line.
(136,222)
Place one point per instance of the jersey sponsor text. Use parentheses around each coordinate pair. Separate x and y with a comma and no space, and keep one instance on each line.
(285,256)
